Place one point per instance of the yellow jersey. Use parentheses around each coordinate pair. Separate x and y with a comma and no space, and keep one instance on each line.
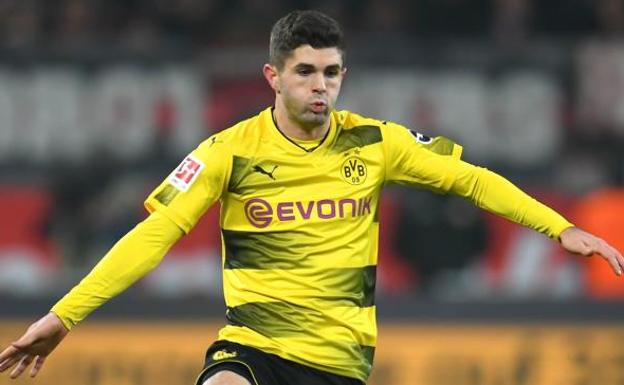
(300,228)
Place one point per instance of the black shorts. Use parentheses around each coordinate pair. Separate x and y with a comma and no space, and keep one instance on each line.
(261,368)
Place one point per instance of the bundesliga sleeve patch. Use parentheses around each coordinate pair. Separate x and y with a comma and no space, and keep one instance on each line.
(421,138)
(186,173)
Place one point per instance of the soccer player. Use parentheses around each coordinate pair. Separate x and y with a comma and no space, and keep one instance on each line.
(299,187)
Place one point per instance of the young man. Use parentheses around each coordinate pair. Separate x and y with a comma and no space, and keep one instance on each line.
(299,188)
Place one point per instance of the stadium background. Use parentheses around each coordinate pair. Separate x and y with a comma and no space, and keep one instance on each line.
(99,100)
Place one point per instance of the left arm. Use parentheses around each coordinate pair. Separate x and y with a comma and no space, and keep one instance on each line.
(434,163)
(496,194)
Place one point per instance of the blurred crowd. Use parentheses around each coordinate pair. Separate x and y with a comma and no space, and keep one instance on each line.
(145,25)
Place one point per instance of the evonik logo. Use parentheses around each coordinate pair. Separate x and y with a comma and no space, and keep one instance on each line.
(261,213)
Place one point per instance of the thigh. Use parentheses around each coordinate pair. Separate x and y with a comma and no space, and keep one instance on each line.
(226,377)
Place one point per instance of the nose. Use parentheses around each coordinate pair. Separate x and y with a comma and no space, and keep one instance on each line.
(318,83)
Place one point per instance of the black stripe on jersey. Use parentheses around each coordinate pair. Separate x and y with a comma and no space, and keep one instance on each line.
(369,353)
(251,250)
(276,250)
(240,168)
(359,136)
(166,195)
(270,251)
(369,278)
(277,319)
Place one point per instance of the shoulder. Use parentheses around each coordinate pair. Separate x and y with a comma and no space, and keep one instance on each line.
(241,134)
(349,119)
(394,135)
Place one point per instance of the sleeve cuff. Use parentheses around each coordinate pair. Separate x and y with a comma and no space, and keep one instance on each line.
(564,226)
(64,320)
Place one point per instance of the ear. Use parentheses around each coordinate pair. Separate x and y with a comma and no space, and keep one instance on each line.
(272,76)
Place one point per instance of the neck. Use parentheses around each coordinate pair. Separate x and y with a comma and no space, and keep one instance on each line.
(296,130)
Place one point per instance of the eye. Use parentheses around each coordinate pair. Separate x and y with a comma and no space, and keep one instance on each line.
(331,73)
(304,71)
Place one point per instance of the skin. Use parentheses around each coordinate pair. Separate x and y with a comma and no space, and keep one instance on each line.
(307,76)
(226,377)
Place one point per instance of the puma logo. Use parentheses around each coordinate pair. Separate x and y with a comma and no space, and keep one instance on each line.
(213,141)
(260,170)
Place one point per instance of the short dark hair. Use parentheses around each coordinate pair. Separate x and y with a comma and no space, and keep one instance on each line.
(300,28)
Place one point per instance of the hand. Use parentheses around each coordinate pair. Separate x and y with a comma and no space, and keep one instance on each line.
(35,345)
(578,241)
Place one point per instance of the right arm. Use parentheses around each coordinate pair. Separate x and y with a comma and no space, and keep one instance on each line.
(132,257)
(175,206)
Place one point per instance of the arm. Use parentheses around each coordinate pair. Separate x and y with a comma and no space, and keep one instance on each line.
(175,206)
(134,255)
(433,163)
(496,194)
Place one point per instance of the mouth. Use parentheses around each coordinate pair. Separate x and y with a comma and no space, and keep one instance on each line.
(318,106)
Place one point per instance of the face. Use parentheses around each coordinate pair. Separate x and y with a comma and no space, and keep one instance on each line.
(308,84)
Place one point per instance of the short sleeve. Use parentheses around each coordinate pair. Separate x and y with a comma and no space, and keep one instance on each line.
(197,183)
(416,159)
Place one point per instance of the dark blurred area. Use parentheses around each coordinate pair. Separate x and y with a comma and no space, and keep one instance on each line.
(99,100)
(148,25)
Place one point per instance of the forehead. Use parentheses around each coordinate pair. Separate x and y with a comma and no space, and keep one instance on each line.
(319,57)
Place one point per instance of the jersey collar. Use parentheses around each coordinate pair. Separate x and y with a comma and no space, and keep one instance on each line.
(288,143)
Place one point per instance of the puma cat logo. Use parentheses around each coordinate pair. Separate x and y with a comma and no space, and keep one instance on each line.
(260,170)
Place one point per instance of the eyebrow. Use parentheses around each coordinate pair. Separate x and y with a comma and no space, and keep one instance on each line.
(311,66)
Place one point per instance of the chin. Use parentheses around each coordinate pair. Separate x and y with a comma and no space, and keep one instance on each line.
(313,119)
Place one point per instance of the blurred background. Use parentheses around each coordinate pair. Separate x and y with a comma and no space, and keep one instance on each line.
(99,101)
